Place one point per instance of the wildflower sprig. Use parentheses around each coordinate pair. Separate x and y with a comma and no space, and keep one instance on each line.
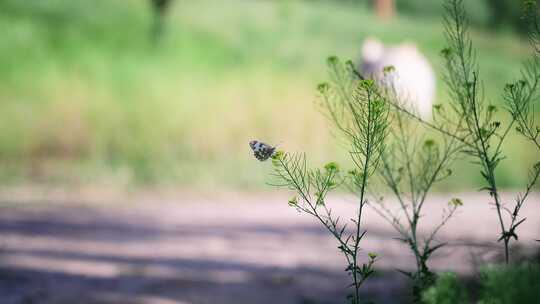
(520,98)
(359,114)
(358,111)
(483,134)
(411,165)
(312,187)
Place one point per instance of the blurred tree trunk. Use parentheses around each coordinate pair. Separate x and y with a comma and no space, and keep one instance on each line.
(499,12)
(508,13)
(160,8)
(385,9)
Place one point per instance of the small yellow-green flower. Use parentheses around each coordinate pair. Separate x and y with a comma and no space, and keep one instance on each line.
(278,155)
(492,108)
(323,87)
(332,60)
(372,255)
(429,143)
(389,69)
(331,166)
(456,202)
(293,201)
(446,52)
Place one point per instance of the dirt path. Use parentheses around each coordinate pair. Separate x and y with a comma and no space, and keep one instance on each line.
(215,248)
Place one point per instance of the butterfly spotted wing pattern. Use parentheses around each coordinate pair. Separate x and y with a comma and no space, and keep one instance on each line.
(261,151)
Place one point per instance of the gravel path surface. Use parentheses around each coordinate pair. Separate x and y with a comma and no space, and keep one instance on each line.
(216,248)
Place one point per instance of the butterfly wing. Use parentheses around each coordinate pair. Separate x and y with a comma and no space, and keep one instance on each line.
(259,155)
(269,152)
(261,151)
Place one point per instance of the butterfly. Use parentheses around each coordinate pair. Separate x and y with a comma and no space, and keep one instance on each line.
(261,151)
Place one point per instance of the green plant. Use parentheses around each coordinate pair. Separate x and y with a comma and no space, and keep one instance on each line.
(482,133)
(360,115)
(411,165)
(446,290)
(516,284)
(470,119)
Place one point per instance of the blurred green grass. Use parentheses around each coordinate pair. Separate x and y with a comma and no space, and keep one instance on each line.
(86,96)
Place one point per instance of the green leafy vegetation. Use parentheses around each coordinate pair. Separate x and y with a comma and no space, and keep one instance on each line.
(472,121)
(514,284)
(360,115)
(446,290)
(412,165)
(494,15)
(384,139)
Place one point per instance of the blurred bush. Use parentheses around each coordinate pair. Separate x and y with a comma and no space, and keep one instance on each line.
(513,284)
(507,13)
(490,14)
(477,10)
(447,290)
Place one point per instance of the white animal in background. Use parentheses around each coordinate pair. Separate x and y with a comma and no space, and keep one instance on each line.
(412,78)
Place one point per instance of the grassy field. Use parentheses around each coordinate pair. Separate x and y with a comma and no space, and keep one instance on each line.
(85,96)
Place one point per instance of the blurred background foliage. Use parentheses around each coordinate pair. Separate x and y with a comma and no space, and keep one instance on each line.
(496,284)
(88,94)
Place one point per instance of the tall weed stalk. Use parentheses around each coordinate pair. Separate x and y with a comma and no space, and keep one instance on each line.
(361,116)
